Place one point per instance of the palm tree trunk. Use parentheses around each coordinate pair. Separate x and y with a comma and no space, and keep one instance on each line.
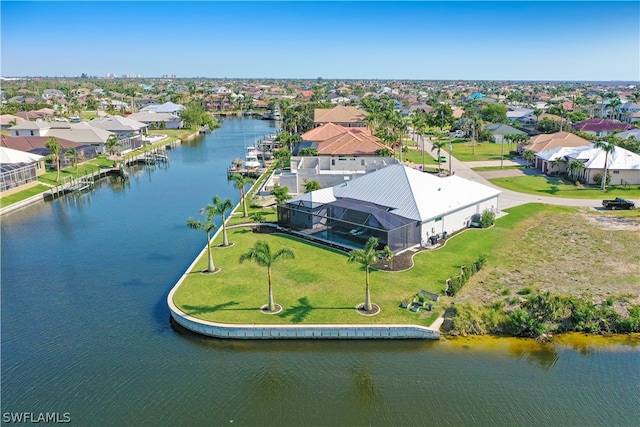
(604,175)
(272,305)
(225,240)
(210,267)
(244,202)
(367,296)
(58,168)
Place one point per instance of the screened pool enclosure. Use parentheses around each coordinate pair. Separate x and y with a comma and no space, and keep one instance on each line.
(349,223)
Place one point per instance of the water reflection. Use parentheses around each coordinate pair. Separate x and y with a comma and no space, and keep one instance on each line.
(539,354)
(363,387)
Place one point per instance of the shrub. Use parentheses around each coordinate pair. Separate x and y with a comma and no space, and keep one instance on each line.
(525,291)
(455,283)
(487,218)
(597,178)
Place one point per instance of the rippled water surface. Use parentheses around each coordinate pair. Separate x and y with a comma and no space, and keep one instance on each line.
(85,330)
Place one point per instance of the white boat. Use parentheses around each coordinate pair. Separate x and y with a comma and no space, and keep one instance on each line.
(251,158)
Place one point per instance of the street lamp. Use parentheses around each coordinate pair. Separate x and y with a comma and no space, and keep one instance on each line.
(450,148)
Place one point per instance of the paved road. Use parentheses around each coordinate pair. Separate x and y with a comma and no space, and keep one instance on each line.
(508,198)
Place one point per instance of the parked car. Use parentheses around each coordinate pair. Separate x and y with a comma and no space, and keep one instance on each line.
(457,134)
(443,159)
(618,203)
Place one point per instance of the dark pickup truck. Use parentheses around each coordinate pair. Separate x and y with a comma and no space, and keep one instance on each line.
(618,203)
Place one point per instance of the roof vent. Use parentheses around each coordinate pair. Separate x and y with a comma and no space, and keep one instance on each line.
(439,189)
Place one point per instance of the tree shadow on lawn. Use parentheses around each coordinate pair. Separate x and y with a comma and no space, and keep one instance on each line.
(299,313)
(200,309)
(553,185)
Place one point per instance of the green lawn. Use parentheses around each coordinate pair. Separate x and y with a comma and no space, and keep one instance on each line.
(320,286)
(495,168)
(22,195)
(552,186)
(464,151)
(415,156)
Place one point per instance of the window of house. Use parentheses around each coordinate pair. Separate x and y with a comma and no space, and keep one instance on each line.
(616,172)
(31,132)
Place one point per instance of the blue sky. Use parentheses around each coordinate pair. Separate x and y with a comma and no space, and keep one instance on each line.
(368,40)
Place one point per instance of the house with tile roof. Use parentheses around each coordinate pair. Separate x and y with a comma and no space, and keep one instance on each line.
(8,120)
(547,141)
(342,153)
(340,115)
(601,127)
(400,206)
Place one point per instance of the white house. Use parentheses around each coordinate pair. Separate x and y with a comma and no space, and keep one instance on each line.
(623,165)
(167,107)
(400,206)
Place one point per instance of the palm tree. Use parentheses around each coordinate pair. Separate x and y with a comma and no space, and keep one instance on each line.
(55,148)
(112,145)
(614,104)
(575,168)
(607,147)
(261,254)
(367,257)
(208,226)
(529,156)
(387,254)
(258,217)
(220,207)
(241,182)
(556,164)
(438,145)
(75,157)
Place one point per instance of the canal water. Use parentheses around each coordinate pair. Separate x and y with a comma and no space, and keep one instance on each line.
(86,331)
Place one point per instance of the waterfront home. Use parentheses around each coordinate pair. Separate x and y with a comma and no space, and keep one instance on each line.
(37,145)
(343,154)
(158,120)
(340,115)
(83,133)
(622,165)
(399,205)
(130,132)
(19,170)
(167,107)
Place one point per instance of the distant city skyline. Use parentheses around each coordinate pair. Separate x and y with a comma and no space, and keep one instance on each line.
(528,41)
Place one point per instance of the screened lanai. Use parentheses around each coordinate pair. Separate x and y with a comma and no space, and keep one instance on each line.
(17,174)
(350,223)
